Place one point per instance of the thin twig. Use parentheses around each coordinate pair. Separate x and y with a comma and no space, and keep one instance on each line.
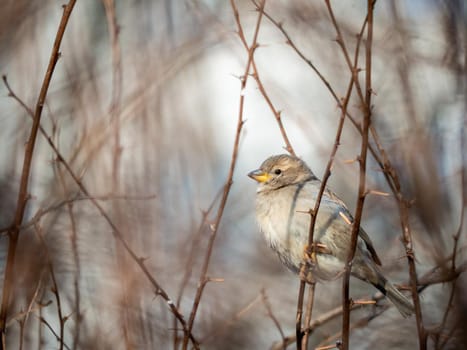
(390,174)
(346,303)
(215,227)
(363,322)
(76,259)
(190,259)
(26,170)
(308,314)
(114,111)
(274,319)
(47,324)
(229,322)
(69,201)
(277,114)
(394,184)
(55,291)
(345,103)
(117,233)
(325,318)
(454,267)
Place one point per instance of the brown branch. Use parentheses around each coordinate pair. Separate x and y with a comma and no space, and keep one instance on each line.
(119,235)
(454,268)
(308,61)
(383,163)
(23,317)
(403,204)
(394,184)
(308,314)
(117,150)
(191,256)
(346,302)
(76,259)
(61,318)
(362,322)
(325,318)
(439,275)
(117,77)
(274,319)
(26,170)
(69,201)
(203,276)
(275,112)
(231,321)
(47,324)
(345,103)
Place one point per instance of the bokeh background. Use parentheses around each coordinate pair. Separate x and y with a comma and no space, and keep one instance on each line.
(146,115)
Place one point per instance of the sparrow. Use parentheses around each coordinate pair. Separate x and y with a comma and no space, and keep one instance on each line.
(287,192)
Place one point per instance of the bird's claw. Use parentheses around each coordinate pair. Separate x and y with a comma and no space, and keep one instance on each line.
(306,274)
(309,253)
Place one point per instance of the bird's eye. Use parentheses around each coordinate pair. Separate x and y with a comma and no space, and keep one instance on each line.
(277,171)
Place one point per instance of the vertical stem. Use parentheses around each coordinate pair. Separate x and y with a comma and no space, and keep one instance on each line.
(13,233)
(203,280)
(298,317)
(309,312)
(346,302)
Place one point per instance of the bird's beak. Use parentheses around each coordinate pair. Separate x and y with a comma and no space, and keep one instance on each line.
(259,175)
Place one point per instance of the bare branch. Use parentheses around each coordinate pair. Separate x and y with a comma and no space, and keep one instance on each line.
(28,155)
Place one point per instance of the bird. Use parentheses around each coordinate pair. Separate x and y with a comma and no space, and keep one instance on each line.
(285,197)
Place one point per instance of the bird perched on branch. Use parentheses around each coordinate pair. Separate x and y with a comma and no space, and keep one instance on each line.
(286,194)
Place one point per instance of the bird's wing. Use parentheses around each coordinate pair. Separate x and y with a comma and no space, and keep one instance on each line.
(363,235)
(369,246)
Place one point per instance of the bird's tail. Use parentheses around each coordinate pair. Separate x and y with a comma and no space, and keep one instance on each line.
(400,301)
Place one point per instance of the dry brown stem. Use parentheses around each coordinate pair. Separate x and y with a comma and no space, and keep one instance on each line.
(28,156)
(215,227)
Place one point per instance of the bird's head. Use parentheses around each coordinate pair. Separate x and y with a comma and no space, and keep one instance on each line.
(281,170)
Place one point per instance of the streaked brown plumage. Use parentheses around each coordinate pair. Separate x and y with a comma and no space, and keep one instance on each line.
(287,191)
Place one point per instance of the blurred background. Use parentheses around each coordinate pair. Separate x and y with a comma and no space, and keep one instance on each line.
(143,106)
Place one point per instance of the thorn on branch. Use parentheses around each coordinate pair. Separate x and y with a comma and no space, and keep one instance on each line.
(157,293)
(378,193)
(409,253)
(212,279)
(143,259)
(350,161)
(363,302)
